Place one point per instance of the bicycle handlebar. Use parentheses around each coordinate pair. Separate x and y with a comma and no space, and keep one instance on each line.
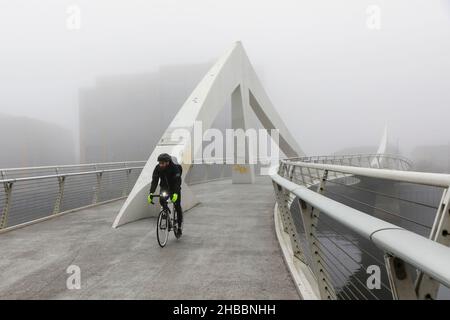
(160,196)
(164,195)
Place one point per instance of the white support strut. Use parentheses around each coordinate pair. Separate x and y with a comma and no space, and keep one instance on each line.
(232,71)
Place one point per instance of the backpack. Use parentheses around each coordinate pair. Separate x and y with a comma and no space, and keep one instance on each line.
(175,162)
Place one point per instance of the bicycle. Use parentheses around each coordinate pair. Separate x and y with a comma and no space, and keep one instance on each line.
(166,221)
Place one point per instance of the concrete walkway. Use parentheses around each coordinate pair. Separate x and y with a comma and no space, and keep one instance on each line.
(228,251)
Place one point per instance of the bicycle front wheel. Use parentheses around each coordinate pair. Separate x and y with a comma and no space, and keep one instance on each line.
(162,228)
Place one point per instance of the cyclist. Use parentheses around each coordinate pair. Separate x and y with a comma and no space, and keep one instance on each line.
(168,174)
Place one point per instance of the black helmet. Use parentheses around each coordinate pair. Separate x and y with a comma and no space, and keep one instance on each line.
(164,157)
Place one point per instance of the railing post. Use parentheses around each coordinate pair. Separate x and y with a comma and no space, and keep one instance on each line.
(99,185)
(400,279)
(310,176)
(310,218)
(378,161)
(7,186)
(310,221)
(127,183)
(286,170)
(291,172)
(427,287)
(282,203)
(282,169)
(321,186)
(61,181)
(302,176)
(289,227)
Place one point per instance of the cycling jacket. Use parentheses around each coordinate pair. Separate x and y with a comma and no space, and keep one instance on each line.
(169,178)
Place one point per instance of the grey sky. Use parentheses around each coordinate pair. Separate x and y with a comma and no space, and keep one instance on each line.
(335,82)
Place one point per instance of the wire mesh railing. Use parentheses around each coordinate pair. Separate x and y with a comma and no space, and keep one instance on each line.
(34,193)
(375,160)
(30,194)
(339,254)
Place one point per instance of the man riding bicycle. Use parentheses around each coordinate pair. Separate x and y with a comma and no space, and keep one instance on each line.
(168,174)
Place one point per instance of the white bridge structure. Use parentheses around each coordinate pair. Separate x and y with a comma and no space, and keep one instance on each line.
(360,226)
(232,75)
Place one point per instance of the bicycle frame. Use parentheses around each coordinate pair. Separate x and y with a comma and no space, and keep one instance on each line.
(173,219)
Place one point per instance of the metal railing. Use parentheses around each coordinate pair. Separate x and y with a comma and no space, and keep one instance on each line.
(375,160)
(345,221)
(36,193)
(32,194)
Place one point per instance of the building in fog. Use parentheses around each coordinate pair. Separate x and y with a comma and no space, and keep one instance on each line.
(432,158)
(30,142)
(123,116)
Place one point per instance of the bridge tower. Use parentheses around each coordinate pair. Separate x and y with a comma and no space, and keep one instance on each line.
(232,75)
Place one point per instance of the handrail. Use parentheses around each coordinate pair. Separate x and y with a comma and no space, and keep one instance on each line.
(71,165)
(66,174)
(429,256)
(59,191)
(307,179)
(423,178)
(352,156)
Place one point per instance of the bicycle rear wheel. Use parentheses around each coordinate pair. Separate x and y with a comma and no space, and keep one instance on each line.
(162,228)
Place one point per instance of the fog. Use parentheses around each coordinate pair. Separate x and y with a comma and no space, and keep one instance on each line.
(335,81)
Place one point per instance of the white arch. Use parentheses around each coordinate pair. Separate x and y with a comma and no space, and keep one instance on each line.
(382,149)
(383,146)
(232,75)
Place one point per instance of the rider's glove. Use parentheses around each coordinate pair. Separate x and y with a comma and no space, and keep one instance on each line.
(174,197)
(150,198)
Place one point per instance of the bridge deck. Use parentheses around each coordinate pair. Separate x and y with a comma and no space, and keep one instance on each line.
(228,251)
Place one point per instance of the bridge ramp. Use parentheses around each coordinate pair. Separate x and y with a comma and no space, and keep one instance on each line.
(228,251)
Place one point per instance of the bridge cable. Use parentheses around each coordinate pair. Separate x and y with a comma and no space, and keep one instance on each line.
(356,246)
(344,266)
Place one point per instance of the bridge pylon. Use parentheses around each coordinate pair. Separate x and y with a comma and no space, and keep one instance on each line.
(232,75)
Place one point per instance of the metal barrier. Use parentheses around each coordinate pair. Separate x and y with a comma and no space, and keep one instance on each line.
(346,222)
(32,194)
(36,193)
(375,160)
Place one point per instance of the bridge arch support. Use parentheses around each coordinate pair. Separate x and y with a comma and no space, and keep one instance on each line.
(232,75)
